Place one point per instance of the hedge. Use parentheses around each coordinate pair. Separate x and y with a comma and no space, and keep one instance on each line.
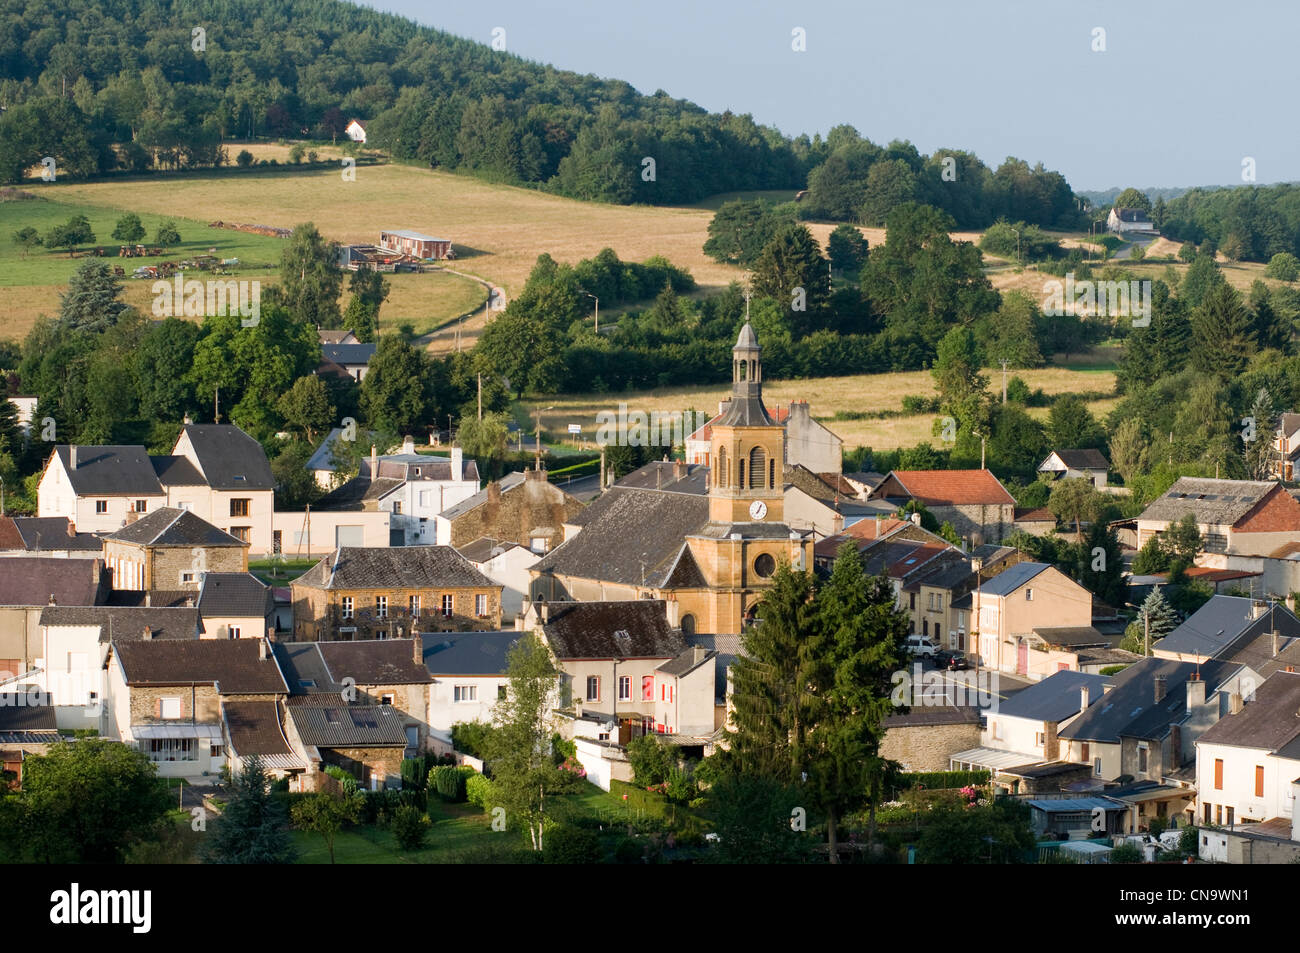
(449,781)
(479,791)
(933,780)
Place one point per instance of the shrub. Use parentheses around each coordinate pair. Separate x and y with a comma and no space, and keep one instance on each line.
(1189,842)
(415,772)
(651,760)
(1284,266)
(680,786)
(244,159)
(913,404)
(297,152)
(479,791)
(470,737)
(1126,854)
(1018,390)
(570,845)
(409,825)
(1157,826)
(449,781)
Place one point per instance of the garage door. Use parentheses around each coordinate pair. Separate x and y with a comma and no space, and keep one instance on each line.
(350,536)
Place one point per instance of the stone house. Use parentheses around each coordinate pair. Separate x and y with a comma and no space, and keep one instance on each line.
(523,508)
(171,549)
(27,586)
(1235,517)
(974,501)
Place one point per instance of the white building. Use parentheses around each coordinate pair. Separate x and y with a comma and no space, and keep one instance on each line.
(356,131)
(469,677)
(1129,220)
(506,564)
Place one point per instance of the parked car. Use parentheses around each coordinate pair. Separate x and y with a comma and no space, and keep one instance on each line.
(921,646)
(957,662)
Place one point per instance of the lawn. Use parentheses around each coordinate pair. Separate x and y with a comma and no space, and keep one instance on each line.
(279,573)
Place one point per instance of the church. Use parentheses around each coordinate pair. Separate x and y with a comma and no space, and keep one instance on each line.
(706,539)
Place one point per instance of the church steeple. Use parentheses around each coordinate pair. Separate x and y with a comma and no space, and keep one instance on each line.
(748,452)
(746,406)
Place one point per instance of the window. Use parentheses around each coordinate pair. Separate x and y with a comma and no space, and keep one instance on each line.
(996,727)
(625,688)
(1040,739)
(593,688)
(1096,767)
(101,507)
(381,607)
(501,693)
(234,631)
(465,693)
(277,541)
(1259,780)
(424,498)
(169,707)
(140,506)
(1230,816)
(347,607)
(480,606)
(414,606)
(387,698)
(241,533)
(1029,595)
(1218,774)
(397,507)
(1218,814)
(537,544)
(1142,758)
(188,576)
(647,688)
(173,749)
(239,507)
(765,565)
(447,603)
(215,751)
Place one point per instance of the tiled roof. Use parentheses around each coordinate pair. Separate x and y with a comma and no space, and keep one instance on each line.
(634,628)
(1216,502)
(1073,636)
(254,728)
(234,665)
(468,653)
(397,567)
(169,526)
(349,726)
(177,471)
(375,662)
(111,471)
(39,533)
(36,580)
(1041,514)
(1270,721)
(234,594)
(122,624)
(1083,459)
(1055,698)
(507,483)
(949,487)
(229,458)
(661,475)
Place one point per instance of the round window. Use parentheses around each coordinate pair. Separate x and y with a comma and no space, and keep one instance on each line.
(765,565)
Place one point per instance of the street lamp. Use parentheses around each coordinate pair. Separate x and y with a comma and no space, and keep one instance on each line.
(597,300)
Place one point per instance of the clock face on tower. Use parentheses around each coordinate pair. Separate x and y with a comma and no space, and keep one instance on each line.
(757,509)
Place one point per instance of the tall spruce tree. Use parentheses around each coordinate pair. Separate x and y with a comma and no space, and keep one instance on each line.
(253,829)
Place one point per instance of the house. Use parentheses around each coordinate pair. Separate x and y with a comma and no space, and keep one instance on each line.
(825,503)
(164,697)
(1071,464)
(235,605)
(413,488)
(337,336)
(415,244)
(507,564)
(469,672)
(27,586)
(25,730)
(1224,626)
(353,358)
(684,694)
(356,130)
(74,647)
(927,737)
(51,537)
(1036,521)
(256,728)
(171,549)
(1248,763)
(610,652)
(523,508)
(1235,517)
(808,442)
(363,592)
(321,463)
(1286,441)
(1073,817)
(389,673)
(1011,605)
(973,501)
(1129,220)
(216,471)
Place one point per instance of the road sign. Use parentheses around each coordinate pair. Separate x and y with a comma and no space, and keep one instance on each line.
(575,428)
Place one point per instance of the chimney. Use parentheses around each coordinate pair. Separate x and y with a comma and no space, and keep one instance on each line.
(457,463)
(700,653)
(1195,692)
(188,420)
(1277,642)
(1085,698)
(1234,703)
(1258,608)
(916,519)
(147,635)
(189,602)
(72,529)
(261,650)
(494,493)
(148,599)
(72,457)
(543,611)
(52,602)
(408,444)
(1289,602)
(417,648)
(1160,688)
(679,469)
(374,462)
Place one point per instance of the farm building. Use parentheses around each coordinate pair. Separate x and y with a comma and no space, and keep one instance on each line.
(356,131)
(415,244)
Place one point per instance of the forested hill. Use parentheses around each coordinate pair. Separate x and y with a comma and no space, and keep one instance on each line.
(105,84)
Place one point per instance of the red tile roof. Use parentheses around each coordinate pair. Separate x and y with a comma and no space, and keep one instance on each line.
(874,529)
(952,486)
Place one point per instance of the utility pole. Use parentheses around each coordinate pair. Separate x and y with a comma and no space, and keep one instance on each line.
(216,405)
(480,395)
(1004,363)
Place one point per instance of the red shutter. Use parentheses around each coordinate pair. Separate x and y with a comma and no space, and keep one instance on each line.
(1218,774)
(1259,780)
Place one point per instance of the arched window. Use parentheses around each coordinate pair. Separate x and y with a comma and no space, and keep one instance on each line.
(771,467)
(688,625)
(740,479)
(757,467)
(722,467)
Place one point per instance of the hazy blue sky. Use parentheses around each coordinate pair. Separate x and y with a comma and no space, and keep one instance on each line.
(1183,91)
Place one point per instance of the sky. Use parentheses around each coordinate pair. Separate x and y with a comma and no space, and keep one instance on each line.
(1182,93)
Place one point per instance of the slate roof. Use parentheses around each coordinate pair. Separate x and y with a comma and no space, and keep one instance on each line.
(1132,215)
(507,482)
(375,662)
(1073,636)
(16,718)
(484,548)
(687,662)
(176,471)
(1215,502)
(627,531)
(634,628)
(397,567)
(304,668)
(1130,707)
(1011,579)
(356,493)
(934,715)
(169,526)
(146,598)
(345,354)
(468,653)
(229,458)
(111,471)
(1271,721)
(234,594)
(123,624)
(232,664)
(36,580)
(320,459)
(1231,615)
(254,728)
(1055,698)
(950,487)
(659,475)
(38,533)
(349,726)
(1082,459)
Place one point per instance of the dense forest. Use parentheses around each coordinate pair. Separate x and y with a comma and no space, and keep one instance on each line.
(1248,223)
(128,84)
